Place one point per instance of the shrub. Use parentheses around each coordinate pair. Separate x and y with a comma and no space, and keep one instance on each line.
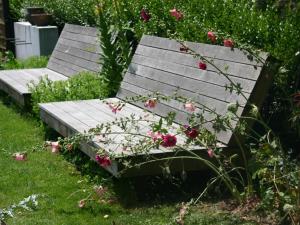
(64,11)
(83,86)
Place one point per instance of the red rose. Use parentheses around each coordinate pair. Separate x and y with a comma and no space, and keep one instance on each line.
(103,161)
(191,132)
(168,140)
(145,16)
(202,66)
(228,43)
(177,14)
(296,99)
(212,36)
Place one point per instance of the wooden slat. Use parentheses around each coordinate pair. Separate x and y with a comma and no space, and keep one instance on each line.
(80,37)
(60,67)
(90,56)
(129,90)
(187,73)
(156,57)
(76,61)
(77,50)
(24,76)
(164,108)
(174,72)
(67,67)
(94,48)
(90,31)
(20,99)
(212,51)
(13,81)
(52,75)
(193,86)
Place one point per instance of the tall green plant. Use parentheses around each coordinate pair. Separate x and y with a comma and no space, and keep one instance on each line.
(112,61)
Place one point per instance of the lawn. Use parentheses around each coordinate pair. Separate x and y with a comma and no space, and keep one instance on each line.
(57,182)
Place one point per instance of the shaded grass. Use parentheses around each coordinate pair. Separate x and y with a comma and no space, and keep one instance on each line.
(55,179)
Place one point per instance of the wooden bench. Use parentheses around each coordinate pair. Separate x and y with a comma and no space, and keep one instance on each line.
(159,66)
(77,50)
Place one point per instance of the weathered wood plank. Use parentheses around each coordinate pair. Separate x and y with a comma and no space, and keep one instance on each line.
(16,82)
(53,75)
(212,51)
(76,61)
(90,31)
(129,90)
(69,67)
(90,56)
(19,98)
(60,67)
(94,48)
(162,109)
(191,74)
(10,79)
(80,37)
(199,87)
(185,61)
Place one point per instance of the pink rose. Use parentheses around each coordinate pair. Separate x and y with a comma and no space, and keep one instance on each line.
(103,161)
(212,36)
(210,153)
(115,107)
(228,43)
(55,147)
(202,66)
(168,140)
(189,107)
(177,14)
(81,203)
(150,103)
(145,16)
(154,135)
(20,156)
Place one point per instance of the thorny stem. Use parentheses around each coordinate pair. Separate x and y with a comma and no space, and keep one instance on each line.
(212,64)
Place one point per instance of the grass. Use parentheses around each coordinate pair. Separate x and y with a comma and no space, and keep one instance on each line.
(55,179)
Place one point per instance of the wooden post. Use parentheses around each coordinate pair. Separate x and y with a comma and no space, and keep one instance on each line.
(2,28)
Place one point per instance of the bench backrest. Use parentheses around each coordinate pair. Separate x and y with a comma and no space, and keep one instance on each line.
(77,50)
(160,66)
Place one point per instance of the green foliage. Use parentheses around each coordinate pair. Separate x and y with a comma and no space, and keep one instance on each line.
(278,177)
(272,26)
(79,87)
(111,61)
(64,11)
(8,62)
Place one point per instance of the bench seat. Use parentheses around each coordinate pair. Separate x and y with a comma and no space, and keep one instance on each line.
(15,82)
(71,117)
